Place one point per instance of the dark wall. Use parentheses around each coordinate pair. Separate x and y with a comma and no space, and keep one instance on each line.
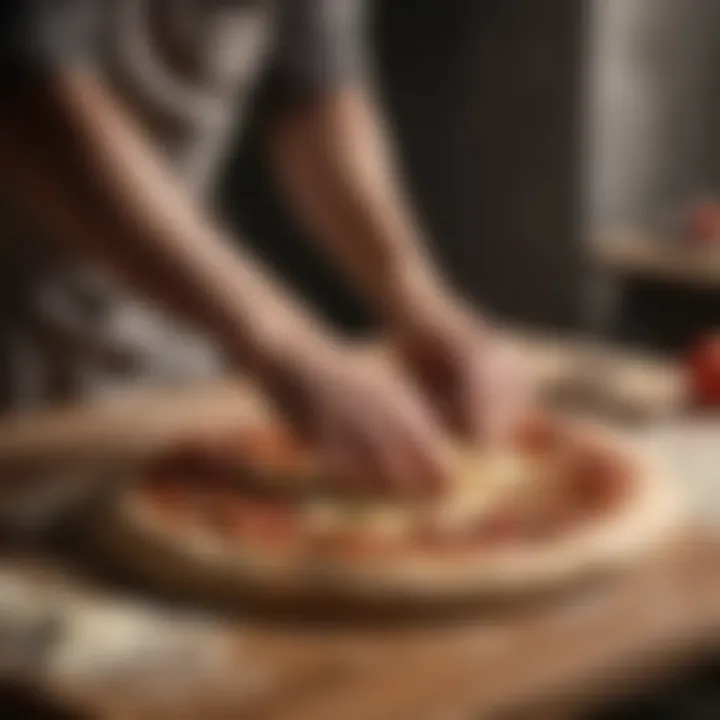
(485,99)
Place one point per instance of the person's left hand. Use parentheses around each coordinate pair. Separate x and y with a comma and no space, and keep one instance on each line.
(474,378)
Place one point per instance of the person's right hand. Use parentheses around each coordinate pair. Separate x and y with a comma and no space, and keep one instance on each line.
(371,427)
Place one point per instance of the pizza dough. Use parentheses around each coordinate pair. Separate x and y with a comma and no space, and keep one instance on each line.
(562,504)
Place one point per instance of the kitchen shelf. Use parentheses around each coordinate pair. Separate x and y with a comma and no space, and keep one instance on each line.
(643,255)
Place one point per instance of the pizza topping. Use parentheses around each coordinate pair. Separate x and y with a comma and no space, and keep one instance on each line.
(382,521)
(274,452)
(598,480)
(704,371)
(324,518)
(169,494)
(504,524)
(505,496)
(481,481)
(257,457)
(263,522)
(539,436)
(386,522)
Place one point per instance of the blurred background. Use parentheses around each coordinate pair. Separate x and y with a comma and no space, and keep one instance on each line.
(487,104)
(530,133)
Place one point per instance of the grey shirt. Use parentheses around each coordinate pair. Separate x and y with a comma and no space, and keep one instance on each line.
(187,70)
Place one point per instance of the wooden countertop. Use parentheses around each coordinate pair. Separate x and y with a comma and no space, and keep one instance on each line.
(569,652)
(517,660)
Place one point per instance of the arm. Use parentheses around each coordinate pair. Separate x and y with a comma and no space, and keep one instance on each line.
(334,160)
(73,161)
(70,158)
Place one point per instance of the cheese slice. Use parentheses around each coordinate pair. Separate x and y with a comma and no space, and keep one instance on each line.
(389,521)
(377,519)
(324,516)
(481,480)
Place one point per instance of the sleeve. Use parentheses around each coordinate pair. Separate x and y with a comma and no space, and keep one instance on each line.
(320,45)
(37,35)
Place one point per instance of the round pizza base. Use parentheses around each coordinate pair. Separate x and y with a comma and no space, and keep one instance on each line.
(199,565)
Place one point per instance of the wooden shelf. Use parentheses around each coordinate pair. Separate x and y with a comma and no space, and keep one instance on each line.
(643,255)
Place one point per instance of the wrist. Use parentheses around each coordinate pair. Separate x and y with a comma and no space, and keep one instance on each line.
(426,306)
(282,350)
(413,290)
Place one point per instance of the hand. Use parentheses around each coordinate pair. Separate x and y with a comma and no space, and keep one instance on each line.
(371,427)
(473,378)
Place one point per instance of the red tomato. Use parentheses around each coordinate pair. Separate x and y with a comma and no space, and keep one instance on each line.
(705,371)
(703,223)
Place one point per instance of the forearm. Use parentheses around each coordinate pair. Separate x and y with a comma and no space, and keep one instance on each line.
(77,165)
(334,160)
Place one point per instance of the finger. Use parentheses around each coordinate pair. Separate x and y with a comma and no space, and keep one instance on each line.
(397,441)
(426,473)
(362,454)
(503,416)
(506,409)
(345,463)
(424,469)
(491,412)
(523,403)
(405,438)
(476,403)
(500,393)
(521,397)
(387,456)
(334,441)
(394,450)
(376,457)
(402,467)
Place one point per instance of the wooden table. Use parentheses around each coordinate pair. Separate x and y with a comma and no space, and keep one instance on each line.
(567,653)
(522,660)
